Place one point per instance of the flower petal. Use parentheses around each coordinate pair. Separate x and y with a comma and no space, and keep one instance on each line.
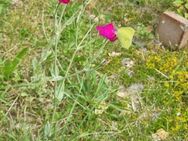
(64,1)
(108,31)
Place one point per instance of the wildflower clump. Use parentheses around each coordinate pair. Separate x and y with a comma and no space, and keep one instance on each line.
(153,61)
(174,67)
(179,121)
(164,63)
(169,65)
(180,85)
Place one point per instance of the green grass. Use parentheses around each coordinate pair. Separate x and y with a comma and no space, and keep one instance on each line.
(56,74)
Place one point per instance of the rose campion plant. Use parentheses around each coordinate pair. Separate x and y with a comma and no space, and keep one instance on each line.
(109,31)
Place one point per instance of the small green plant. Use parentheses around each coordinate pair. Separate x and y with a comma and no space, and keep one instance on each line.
(143,32)
(182,7)
(3,5)
(9,66)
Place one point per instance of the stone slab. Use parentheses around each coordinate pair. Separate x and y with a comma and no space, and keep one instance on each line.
(173,30)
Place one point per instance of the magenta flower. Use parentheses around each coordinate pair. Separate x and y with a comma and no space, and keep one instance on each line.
(108,31)
(64,1)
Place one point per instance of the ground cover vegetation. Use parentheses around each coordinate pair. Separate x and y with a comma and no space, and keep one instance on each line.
(59,80)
